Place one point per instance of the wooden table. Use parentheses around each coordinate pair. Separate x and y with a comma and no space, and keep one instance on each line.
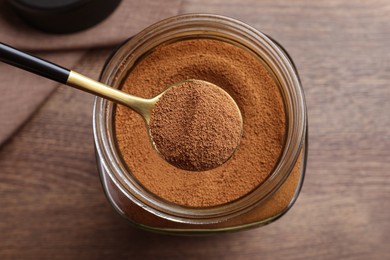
(52,204)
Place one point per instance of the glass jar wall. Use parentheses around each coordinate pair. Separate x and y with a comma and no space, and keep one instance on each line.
(266,202)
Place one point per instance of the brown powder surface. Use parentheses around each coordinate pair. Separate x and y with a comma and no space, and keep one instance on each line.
(255,92)
(276,204)
(195,126)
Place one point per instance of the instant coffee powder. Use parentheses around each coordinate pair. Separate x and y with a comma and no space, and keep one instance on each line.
(260,102)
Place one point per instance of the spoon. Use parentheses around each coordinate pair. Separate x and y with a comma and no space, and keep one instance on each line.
(142,106)
(71,78)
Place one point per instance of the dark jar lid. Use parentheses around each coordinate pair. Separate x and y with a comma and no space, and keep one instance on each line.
(63,16)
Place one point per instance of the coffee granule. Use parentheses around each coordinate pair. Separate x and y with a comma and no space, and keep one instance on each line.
(253,88)
(195,126)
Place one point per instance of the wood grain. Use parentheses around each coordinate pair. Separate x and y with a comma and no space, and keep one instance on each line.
(52,205)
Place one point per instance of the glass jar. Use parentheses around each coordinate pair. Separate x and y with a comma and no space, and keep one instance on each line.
(264,204)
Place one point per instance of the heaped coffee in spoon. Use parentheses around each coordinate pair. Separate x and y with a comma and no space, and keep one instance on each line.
(196,126)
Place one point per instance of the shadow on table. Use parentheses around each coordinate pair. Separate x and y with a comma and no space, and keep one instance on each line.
(128,241)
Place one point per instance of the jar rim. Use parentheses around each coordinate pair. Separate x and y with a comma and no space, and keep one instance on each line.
(218,26)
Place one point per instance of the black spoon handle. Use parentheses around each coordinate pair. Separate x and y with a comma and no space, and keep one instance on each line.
(33,64)
(73,79)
